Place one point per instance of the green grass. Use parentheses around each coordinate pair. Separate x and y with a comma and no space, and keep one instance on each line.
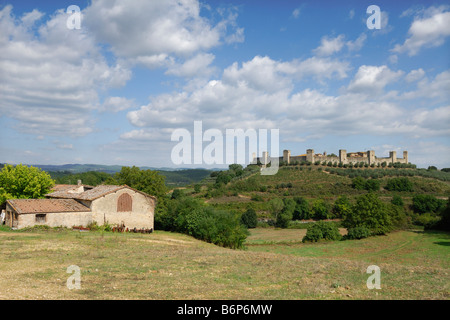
(275,265)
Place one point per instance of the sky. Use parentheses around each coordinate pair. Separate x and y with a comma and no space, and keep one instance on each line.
(113,89)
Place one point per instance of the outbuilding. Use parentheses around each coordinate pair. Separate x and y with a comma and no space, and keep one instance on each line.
(79,205)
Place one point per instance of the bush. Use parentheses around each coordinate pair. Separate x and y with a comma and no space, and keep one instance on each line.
(427,203)
(220,228)
(397,200)
(357,233)
(322,230)
(248,218)
(427,220)
(301,211)
(320,210)
(256,197)
(358,183)
(372,185)
(286,214)
(341,207)
(399,184)
(444,222)
(177,193)
(191,216)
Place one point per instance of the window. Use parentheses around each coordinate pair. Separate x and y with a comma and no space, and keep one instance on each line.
(124,203)
(41,218)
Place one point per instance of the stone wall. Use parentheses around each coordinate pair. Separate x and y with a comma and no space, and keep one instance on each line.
(53,219)
(367,157)
(104,210)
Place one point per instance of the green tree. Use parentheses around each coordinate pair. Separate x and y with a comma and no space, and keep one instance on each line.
(23,182)
(148,181)
(302,211)
(399,184)
(320,210)
(249,218)
(197,188)
(359,183)
(341,207)
(276,205)
(177,193)
(372,185)
(444,223)
(397,200)
(370,212)
(322,230)
(427,203)
(286,214)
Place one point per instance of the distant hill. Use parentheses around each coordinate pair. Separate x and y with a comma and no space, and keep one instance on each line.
(185,177)
(95,173)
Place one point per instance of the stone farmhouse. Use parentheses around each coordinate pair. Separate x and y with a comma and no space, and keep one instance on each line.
(81,205)
(344,157)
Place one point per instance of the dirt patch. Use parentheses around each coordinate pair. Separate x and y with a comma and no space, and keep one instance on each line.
(165,241)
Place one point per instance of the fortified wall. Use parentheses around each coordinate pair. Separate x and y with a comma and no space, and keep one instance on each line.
(344,157)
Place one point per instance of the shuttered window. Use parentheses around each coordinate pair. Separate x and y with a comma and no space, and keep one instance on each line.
(124,203)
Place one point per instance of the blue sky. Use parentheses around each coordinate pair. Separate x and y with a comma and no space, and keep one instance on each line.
(113,91)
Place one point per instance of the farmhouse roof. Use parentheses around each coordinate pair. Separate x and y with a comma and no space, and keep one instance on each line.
(46,205)
(92,194)
(67,187)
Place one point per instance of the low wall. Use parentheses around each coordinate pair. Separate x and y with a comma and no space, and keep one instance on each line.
(56,219)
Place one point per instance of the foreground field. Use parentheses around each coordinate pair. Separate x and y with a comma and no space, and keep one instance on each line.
(276,265)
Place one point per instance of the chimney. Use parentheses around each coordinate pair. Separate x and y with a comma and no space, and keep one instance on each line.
(79,182)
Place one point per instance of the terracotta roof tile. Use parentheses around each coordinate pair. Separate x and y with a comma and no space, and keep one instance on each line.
(92,194)
(47,205)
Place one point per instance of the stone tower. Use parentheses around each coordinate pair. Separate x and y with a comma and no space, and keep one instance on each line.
(343,156)
(405,156)
(265,158)
(310,155)
(371,156)
(393,156)
(287,156)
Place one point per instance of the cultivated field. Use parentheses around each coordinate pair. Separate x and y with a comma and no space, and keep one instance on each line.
(276,265)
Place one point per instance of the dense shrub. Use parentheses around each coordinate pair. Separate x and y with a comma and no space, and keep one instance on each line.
(397,200)
(341,207)
(301,211)
(444,222)
(220,228)
(286,214)
(372,185)
(357,233)
(428,220)
(190,216)
(197,188)
(249,219)
(320,210)
(358,183)
(399,184)
(322,230)
(177,193)
(427,203)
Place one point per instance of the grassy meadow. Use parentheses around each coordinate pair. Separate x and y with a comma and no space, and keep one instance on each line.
(275,265)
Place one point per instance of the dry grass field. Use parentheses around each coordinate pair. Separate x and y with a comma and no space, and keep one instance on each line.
(275,265)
